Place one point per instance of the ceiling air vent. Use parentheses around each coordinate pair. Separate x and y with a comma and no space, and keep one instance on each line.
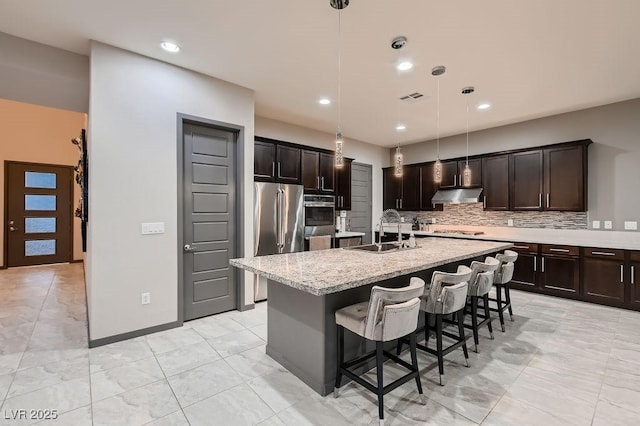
(413,97)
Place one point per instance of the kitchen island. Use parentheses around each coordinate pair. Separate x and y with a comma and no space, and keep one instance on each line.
(306,288)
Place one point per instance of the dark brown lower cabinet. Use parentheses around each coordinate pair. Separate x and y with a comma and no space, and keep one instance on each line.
(634,281)
(560,274)
(603,276)
(525,271)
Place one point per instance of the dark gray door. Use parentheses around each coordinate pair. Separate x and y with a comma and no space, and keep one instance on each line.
(209,221)
(361,200)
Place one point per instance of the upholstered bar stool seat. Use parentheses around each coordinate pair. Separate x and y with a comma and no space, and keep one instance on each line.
(390,314)
(501,280)
(447,295)
(480,283)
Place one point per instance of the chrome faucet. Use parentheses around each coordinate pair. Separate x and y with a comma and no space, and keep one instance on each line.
(381,233)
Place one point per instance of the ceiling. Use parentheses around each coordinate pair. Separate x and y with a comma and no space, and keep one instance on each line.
(529,59)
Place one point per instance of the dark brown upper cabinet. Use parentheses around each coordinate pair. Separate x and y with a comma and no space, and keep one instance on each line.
(318,172)
(411,193)
(343,185)
(526,180)
(428,186)
(564,178)
(275,162)
(391,189)
(449,175)
(495,182)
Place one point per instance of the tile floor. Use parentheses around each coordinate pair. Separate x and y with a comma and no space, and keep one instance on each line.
(559,363)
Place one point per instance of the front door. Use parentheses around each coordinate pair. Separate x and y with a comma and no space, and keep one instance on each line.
(38,217)
(209,220)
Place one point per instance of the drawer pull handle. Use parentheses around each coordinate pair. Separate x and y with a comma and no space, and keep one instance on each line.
(521,247)
(559,250)
(603,253)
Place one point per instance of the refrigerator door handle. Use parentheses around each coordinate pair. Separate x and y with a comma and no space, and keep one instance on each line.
(278,218)
(281,208)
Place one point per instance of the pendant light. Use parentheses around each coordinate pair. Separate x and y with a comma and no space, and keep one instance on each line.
(398,162)
(437,168)
(466,175)
(339,160)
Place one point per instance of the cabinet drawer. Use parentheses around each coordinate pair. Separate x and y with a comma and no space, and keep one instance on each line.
(634,256)
(601,253)
(560,250)
(525,248)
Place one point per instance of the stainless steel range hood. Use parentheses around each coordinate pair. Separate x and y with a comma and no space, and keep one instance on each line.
(457,196)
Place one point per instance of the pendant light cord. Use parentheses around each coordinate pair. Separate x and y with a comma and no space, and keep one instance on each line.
(438,122)
(339,71)
(467,132)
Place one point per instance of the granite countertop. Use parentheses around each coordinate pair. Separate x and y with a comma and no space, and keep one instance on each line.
(626,240)
(349,234)
(330,271)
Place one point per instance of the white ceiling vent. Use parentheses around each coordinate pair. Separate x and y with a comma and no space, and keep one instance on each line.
(413,97)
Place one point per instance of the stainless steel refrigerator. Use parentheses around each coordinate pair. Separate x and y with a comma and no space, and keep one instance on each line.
(278,219)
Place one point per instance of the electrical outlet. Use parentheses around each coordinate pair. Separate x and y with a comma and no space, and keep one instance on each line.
(608,224)
(152,228)
(509,222)
(146,298)
(630,225)
(595,224)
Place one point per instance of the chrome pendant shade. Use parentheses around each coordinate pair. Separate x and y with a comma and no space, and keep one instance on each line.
(398,162)
(339,157)
(466,175)
(437,168)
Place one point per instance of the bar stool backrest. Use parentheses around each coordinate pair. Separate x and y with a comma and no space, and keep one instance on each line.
(504,274)
(482,274)
(393,312)
(448,291)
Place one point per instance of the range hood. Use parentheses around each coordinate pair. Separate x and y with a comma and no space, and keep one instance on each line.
(457,196)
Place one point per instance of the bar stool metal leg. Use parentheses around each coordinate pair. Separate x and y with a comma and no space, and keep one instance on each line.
(487,313)
(507,295)
(439,346)
(340,334)
(380,388)
(460,316)
(499,302)
(414,363)
(474,322)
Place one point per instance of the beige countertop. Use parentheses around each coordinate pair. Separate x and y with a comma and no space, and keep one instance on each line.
(329,271)
(627,240)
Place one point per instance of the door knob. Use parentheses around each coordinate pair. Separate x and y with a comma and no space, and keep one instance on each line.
(189,249)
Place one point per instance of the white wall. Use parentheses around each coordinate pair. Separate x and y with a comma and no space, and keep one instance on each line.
(361,152)
(133,179)
(43,75)
(613,157)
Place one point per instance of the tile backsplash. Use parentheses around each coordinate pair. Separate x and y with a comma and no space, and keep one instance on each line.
(474,214)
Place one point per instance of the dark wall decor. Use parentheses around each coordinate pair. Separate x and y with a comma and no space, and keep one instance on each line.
(82,179)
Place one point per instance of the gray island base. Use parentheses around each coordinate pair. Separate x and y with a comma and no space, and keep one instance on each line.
(305,289)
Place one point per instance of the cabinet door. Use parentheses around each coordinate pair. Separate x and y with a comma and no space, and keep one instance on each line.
(526,180)
(634,281)
(310,170)
(495,182)
(603,279)
(391,189)
(343,186)
(428,187)
(525,271)
(564,178)
(287,164)
(410,199)
(560,274)
(475,165)
(264,161)
(449,174)
(327,173)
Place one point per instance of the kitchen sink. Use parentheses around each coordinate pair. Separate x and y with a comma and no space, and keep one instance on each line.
(375,248)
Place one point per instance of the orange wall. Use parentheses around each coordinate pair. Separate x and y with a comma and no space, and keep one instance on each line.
(39,134)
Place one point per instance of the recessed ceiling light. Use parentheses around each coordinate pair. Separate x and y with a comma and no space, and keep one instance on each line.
(324,101)
(484,106)
(170,46)
(404,66)
(401,127)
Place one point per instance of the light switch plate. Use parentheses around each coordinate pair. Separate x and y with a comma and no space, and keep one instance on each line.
(145,298)
(151,228)
(595,224)
(630,225)
(608,224)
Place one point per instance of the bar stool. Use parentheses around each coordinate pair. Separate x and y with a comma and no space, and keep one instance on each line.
(501,280)
(447,295)
(480,283)
(390,313)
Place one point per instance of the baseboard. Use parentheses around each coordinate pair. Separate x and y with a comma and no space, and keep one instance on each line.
(77,261)
(131,334)
(248,307)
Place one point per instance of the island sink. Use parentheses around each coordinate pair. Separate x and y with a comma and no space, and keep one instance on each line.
(376,248)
